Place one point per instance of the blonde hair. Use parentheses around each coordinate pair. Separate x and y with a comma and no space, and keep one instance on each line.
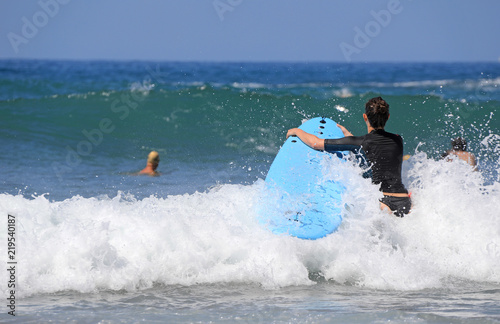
(154,157)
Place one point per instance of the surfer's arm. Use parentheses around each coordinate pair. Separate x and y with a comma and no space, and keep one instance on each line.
(348,143)
(309,139)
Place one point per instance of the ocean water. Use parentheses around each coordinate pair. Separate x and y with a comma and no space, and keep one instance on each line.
(95,243)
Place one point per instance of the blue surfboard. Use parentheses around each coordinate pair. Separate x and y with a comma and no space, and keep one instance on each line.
(299,202)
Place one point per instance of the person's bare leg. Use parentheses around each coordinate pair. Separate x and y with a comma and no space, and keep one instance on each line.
(385,207)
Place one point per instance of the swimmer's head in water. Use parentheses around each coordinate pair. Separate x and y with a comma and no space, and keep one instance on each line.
(377,111)
(154,158)
(459,144)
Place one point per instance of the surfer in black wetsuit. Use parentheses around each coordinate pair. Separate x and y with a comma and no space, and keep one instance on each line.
(383,150)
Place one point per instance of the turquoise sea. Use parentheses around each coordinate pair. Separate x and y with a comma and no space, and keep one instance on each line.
(96,244)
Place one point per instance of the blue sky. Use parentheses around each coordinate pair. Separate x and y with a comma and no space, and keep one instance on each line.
(252,30)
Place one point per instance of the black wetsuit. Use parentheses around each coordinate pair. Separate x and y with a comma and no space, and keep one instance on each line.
(384,152)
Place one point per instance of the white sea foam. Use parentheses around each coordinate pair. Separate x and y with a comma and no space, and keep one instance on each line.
(121,243)
(343,93)
(423,83)
(249,85)
(143,87)
(341,108)
(452,232)
(492,143)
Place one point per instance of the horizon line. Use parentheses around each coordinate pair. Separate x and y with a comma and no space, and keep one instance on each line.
(250,61)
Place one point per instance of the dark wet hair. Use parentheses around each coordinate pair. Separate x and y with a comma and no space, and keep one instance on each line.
(459,144)
(377,111)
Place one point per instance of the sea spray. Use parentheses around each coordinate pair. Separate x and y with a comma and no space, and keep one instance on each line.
(122,243)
